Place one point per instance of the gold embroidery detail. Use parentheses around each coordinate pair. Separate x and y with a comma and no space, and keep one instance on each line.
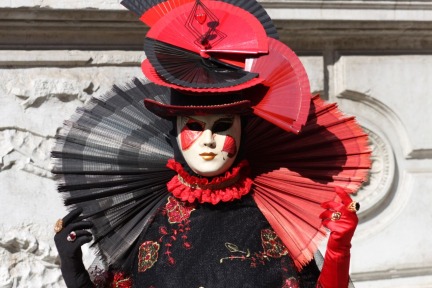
(272,248)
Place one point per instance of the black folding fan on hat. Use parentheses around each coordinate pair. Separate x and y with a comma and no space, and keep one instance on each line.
(189,71)
(110,160)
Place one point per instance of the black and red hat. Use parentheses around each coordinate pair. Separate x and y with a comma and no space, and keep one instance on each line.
(206,50)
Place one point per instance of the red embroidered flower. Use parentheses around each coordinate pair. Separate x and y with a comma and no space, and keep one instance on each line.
(148,255)
(273,246)
(99,276)
(121,281)
(178,211)
(291,283)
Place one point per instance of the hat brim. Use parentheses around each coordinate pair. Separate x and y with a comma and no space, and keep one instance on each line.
(163,110)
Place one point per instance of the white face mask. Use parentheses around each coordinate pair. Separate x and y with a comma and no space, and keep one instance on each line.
(209,143)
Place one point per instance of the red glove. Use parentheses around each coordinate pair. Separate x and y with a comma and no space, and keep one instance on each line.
(342,223)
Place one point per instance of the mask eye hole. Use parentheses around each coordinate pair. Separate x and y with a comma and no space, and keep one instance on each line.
(194,125)
(222,125)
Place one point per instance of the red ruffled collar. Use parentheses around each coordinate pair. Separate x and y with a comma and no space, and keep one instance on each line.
(233,185)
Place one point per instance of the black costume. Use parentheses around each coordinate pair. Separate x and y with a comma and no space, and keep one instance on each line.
(154,222)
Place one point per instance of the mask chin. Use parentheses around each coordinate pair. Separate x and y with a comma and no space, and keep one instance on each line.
(209,171)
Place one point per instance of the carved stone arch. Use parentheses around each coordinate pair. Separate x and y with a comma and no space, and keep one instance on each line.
(367,108)
(390,147)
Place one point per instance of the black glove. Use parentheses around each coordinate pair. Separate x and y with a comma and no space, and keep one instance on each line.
(69,241)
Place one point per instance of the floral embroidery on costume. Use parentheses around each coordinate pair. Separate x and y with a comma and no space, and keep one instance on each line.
(272,246)
(178,211)
(291,283)
(99,276)
(103,278)
(178,214)
(148,255)
(121,281)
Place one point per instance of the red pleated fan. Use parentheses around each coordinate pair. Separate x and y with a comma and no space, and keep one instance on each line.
(236,30)
(155,13)
(286,102)
(294,174)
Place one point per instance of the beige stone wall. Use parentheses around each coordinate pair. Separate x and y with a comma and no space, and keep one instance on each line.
(35,100)
(372,57)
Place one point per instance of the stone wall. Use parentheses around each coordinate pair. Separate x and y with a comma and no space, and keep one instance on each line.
(35,100)
(371,57)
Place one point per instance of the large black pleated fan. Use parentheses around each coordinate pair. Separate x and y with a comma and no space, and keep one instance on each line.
(110,160)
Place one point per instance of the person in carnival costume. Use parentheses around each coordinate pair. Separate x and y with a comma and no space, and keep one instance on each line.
(221,171)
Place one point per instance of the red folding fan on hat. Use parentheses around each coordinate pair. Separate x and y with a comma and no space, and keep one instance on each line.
(191,48)
(286,101)
(152,11)
(211,27)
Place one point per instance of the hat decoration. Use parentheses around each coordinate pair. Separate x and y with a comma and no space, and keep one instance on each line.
(110,158)
(208,48)
(183,48)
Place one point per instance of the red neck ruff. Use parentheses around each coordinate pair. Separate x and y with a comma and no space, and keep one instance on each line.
(233,185)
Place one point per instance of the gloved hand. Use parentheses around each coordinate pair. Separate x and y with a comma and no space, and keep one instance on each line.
(342,222)
(69,241)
